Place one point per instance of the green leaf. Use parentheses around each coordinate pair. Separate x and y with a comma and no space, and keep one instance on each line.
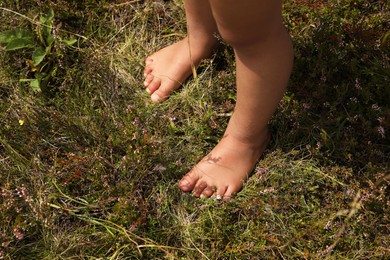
(46,32)
(19,44)
(47,19)
(10,35)
(7,36)
(20,33)
(40,75)
(49,16)
(38,56)
(47,27)
(49,40)
(69,42)
(35,85)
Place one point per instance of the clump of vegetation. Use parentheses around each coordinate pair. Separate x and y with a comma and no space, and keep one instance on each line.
(41,64)
(89,165)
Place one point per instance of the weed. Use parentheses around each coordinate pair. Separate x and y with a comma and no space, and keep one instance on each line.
(44,60)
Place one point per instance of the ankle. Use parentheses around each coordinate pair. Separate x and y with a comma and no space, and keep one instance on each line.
(204,42)
(255,138)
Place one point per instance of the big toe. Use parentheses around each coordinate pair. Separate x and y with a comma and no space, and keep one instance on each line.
(188,182)
(160,94)
(153,85)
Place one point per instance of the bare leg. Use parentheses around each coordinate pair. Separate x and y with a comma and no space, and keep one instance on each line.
(166,69)
(263,53)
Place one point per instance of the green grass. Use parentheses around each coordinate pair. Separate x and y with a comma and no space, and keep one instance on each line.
(89,166)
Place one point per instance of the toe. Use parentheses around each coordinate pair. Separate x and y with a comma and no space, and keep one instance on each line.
(220,193)
(153,85)
(147,70)
(160,94)
(188,182)
(229,194)
(231,191)
(148,67)
(156,97)
(148,78)
(148,61)
(199,188)
(207,192)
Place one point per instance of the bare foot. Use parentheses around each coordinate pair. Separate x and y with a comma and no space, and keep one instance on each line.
(223,171)
(168,68)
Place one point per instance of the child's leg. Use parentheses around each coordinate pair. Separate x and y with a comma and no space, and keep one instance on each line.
(166,69)
(263,53)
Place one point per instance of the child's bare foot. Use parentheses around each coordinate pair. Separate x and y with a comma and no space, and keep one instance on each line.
(223,171)
(168,68)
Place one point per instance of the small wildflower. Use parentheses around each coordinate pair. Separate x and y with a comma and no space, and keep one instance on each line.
(267,190)
(375,107)
(353,99)
(18,234)
(306,105)
(328,225)
(21,122)
(172,118)
(217,197)
(5,244)
(262,171)
(381,131)
(357,84)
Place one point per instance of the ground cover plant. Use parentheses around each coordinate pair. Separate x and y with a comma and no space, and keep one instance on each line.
(89,166)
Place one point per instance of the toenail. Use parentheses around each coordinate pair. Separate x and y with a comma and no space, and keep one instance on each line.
(146,83)
(148,90)
(184,183)
(202,196)
(156,98)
